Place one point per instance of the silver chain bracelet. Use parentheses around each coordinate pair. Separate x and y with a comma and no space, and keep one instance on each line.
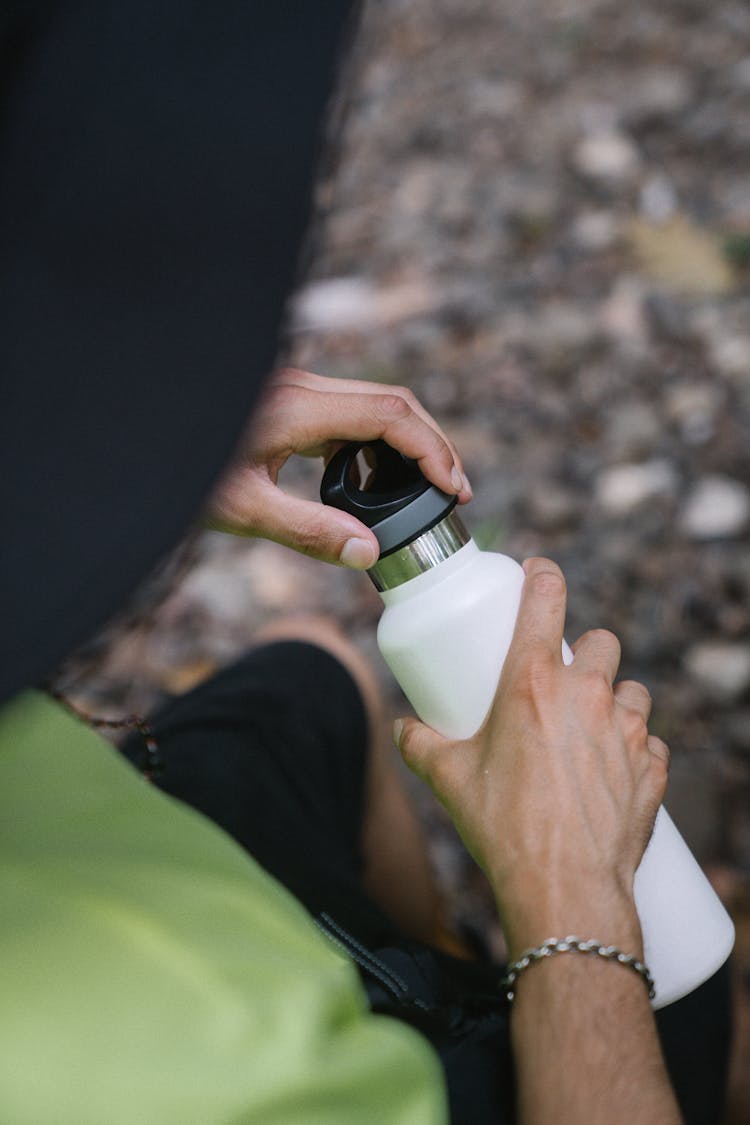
(573,944)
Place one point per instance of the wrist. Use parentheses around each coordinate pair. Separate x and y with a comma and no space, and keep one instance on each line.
(604,912)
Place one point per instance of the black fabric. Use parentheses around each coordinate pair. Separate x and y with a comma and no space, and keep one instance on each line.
(274,750)
(155,167)
(696,1036)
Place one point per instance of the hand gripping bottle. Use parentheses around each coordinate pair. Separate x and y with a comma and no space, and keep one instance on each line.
(449,615)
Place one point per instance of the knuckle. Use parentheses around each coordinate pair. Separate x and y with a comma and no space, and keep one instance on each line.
(598,688)
(311,536)
(283,373)
(534,680)
(281,397)
(392,407)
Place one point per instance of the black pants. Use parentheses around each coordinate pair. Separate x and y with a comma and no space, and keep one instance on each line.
(273,749)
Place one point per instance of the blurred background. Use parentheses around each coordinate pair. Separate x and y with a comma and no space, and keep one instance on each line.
(536,214)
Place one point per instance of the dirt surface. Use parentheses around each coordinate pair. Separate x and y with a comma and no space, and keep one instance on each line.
(537,215)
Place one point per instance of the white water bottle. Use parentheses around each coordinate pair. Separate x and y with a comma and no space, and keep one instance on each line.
(450,611)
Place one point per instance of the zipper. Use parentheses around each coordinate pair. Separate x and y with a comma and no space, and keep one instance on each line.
(367,961)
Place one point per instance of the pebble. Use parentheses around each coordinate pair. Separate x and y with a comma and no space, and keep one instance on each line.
(596,230)
(622,314)
(718,507)
(693,408)
(658,199)
(551,506)
(668,318)
(623,488)
(610,158)
(337,303)
(659,94)
(721,668)
(731,356)
(632,429)
(562,327)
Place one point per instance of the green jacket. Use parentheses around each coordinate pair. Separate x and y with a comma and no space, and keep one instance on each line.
(152,974)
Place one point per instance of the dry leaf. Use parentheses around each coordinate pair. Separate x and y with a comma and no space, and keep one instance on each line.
(680,255)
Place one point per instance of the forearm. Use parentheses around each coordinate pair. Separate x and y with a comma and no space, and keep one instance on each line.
(585,1042)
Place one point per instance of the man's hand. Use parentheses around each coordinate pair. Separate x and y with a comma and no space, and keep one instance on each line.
(311,415)
(556,797)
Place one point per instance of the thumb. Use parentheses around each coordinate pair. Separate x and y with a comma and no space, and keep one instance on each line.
(251,503)
(314,529)
(421,747)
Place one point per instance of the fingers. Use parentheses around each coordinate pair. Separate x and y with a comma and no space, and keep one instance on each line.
(308,414)
(541,615)
(658,748)
(348,409)
(635,697)
(598,650)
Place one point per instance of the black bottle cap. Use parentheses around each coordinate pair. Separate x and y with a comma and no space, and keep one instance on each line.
(395,499)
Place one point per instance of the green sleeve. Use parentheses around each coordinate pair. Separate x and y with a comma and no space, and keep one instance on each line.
(152,973)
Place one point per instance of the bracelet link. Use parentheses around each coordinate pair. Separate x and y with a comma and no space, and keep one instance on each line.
(572,944)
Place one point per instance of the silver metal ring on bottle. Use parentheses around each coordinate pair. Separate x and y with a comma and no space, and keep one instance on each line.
(422,554)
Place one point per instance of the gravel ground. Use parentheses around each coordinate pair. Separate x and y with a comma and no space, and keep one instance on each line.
(536,214)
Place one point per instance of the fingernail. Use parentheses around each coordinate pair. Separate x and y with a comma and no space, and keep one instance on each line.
(359,554)
(467,486)
(398,728)
(457,479)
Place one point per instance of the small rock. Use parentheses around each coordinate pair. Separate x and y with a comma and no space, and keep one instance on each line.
(694,407)
(731,356)
(622,313)
(495,98)
(623,488)
(658,199)
(632,430)
(658,94)
(347,303)
(561,329)
(668,318)
(607,157)
(596,230)
(717,508)
(551,507)
(339,302)
(721,668)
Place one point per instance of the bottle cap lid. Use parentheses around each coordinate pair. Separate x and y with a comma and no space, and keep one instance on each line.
(386,491)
